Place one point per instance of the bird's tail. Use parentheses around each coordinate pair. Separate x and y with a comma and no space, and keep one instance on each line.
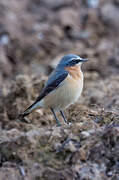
(31,108)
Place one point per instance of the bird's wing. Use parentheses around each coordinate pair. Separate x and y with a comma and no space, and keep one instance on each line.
(54,81)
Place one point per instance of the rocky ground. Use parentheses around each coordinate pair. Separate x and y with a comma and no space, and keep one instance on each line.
(34,35)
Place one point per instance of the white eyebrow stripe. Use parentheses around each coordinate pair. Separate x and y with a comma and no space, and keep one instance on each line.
(76,58)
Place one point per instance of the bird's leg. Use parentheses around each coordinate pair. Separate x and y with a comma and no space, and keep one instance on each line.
(62,114)
(57,121)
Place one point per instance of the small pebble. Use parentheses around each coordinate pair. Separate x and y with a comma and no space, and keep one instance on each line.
(85,134)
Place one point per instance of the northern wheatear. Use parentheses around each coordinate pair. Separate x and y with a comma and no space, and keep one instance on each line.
(63,87)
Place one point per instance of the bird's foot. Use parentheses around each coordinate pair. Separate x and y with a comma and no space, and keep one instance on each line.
(59,124)
(68,123)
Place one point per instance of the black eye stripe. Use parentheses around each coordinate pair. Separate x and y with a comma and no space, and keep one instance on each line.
(76,60)
(73,62)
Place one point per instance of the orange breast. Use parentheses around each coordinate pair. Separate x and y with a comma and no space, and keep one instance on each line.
(75,72)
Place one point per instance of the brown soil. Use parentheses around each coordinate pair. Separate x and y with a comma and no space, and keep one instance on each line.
(34,35)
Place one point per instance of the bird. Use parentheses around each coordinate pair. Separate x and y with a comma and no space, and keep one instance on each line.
(63,87)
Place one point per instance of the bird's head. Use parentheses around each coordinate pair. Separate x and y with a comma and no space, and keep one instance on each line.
(71,60)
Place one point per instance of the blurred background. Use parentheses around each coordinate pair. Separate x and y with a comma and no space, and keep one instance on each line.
(34,35)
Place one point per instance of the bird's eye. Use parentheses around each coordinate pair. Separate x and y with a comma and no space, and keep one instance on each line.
(75,61)
(72,62)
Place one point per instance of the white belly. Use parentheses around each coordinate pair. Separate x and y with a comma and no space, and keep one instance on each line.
(65,95)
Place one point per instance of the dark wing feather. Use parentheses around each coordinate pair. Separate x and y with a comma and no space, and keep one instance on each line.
(53,82)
